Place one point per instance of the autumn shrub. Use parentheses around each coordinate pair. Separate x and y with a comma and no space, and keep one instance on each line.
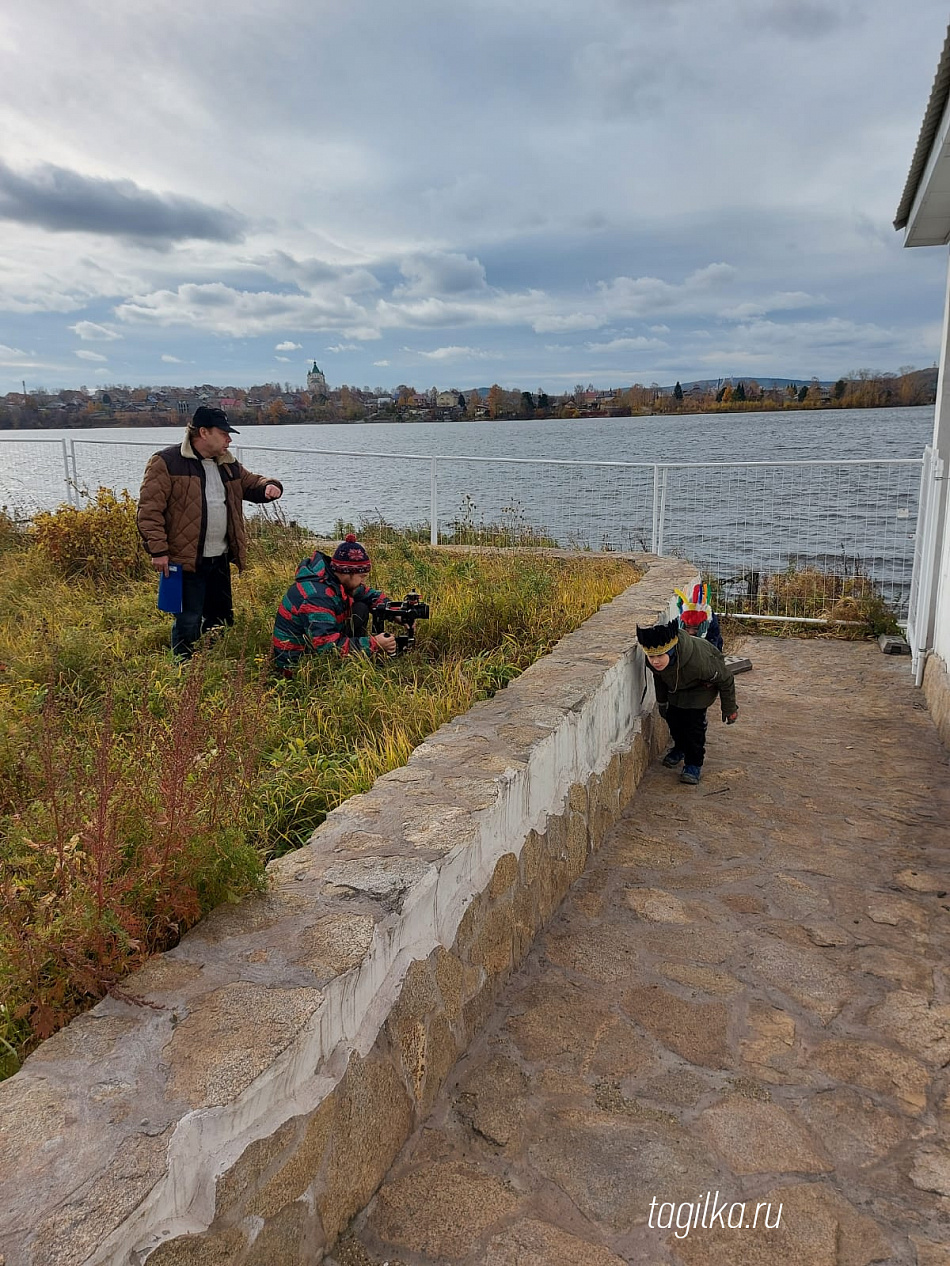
(136,794)
(98,540)
(13,530)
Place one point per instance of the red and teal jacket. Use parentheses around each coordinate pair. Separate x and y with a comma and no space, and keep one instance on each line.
(313,614)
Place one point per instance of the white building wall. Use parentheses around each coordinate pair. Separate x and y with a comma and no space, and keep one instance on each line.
(941,442)
(942,615)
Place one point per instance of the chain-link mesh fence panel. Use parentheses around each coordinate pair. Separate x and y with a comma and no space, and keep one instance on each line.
(576,505)
(116,464)
(327,493)
(796,539)
(33,476)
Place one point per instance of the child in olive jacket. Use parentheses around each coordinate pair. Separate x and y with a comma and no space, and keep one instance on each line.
(688,673)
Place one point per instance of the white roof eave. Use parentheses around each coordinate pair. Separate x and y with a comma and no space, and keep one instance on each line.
(928,223)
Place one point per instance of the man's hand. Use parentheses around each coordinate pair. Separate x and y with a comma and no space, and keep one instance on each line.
(732,718)
(271,492)
(161,564)
(386,642)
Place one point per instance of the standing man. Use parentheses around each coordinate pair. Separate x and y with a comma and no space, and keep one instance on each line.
(190,512)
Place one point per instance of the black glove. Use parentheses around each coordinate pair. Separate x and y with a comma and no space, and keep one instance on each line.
(732,718)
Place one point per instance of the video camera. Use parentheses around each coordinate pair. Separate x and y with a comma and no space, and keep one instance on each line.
(406,613)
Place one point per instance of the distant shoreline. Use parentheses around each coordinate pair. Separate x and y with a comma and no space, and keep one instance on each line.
(748,407)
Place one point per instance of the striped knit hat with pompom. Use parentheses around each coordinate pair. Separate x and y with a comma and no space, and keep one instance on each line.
(350,557)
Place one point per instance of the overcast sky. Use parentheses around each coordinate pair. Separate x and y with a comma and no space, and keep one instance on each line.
(536,193)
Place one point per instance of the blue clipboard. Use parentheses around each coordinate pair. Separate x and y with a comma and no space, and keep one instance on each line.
(170,590)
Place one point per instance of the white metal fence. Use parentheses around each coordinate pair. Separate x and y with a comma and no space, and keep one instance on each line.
(786,539)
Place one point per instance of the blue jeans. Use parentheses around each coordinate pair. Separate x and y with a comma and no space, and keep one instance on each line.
(205,603)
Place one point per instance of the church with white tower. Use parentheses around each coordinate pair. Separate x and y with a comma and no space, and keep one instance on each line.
(316,382)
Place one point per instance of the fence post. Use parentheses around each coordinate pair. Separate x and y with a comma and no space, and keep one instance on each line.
(656,504)
(69,483)
(661,516)
(433,504)
(72,453)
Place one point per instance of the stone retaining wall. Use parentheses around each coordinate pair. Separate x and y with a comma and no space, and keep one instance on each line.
(243,1095)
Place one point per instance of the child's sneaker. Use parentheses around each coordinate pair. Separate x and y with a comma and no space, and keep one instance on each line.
(691,774)
(672,758)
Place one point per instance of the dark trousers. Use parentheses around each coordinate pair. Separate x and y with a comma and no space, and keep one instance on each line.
(205,603)
(688,731)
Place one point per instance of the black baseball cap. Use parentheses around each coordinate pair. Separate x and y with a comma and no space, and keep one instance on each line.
(205,416)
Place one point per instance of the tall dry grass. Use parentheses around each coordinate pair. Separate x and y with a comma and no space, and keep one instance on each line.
(136,794)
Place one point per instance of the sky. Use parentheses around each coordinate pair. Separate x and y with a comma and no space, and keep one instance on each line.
(454,194)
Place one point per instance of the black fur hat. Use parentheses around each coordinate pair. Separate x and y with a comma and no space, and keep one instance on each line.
(658,639)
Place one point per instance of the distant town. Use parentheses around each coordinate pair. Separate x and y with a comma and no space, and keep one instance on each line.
(273,404)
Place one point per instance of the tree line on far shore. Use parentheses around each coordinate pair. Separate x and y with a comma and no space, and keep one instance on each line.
(270,404)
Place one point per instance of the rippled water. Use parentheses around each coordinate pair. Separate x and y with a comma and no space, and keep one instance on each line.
(734,520)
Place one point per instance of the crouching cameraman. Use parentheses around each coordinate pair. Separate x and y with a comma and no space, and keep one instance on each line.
(328,608)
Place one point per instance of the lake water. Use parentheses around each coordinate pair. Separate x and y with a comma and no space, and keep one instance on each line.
(733,518)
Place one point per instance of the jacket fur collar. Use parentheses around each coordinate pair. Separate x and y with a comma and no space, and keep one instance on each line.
(187,451)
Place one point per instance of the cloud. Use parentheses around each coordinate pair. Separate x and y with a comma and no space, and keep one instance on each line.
(172,360)
(627,345)
(381,363)
(801,19)
(90,356)
(284,359)
(823,347)
(13,356)
(441,273)
(64,201)
(626,297)
(221,309)
(554,324)
(310,273)
(784,301)
(217,309)
(288,347)
(453,353)
(711,275)
(89,331)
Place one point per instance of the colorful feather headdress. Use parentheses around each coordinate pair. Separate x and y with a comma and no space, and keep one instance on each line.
(695,612)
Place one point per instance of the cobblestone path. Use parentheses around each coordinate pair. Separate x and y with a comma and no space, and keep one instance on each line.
(747,993)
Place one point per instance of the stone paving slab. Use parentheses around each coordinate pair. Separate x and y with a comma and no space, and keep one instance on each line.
(747,994)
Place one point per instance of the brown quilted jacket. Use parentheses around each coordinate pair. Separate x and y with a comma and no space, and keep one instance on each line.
(172,515)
